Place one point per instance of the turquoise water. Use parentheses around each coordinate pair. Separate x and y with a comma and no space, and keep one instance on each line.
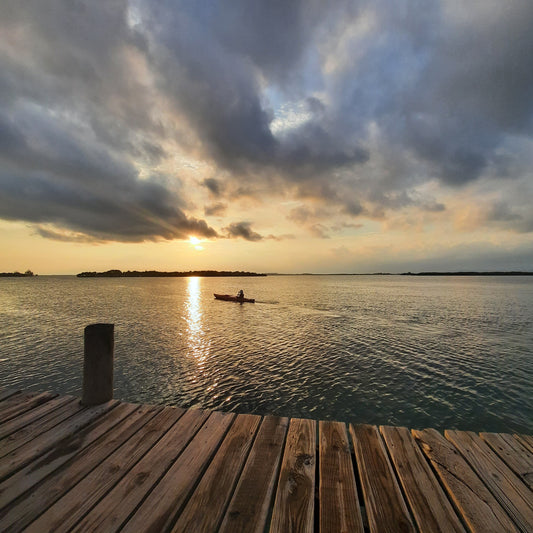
(445,352)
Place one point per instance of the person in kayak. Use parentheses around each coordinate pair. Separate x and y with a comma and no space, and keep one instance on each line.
(240,295)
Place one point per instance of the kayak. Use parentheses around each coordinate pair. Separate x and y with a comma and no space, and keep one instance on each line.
(229,298)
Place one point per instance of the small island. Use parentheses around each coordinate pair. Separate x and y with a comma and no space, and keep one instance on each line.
(27,274)
(156,274)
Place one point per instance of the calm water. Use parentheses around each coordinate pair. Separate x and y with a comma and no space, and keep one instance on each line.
(442,352)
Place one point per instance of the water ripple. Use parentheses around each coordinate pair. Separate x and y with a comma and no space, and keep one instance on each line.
(442,352)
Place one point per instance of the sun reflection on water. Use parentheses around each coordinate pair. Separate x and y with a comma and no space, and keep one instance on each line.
(198,345)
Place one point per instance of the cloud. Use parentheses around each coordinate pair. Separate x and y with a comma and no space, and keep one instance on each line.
(515,219)
(351,109)
(284,237)
(64,236)
(76,125)
(213,185)
(51,174)
(243,230)
(304,214)
(320,231)
(215,209)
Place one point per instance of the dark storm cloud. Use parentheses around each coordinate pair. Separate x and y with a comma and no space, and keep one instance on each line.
(243,230)
(51,173)
(215,209)
(210,58)
(500,211)
(519,219)
(138,211)
(351,105)
(213,185)
(477,89)
(74,119)
(65,237)
(444,83)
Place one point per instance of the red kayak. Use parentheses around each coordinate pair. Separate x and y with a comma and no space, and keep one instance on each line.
(229,298)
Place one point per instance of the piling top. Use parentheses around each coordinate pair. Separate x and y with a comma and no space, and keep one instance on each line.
(101,327)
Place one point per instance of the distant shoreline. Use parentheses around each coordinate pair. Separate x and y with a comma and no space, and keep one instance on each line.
(495,273)
(157,274)
(225,273)
(27,274)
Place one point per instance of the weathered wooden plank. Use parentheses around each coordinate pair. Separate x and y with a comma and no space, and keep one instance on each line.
(15,399)
(431,508)
(6,393)
(295,496)
(159,510)
(71,508)
(205,508)
(386,509)
(339,502)
(66,471)
(512,494)
(44,442)
(115,508)
(104,473)
(11,411)
(478,507)
(526,441)
(35,414)
(248,509)
(30,432)
(517,457)
(61,452)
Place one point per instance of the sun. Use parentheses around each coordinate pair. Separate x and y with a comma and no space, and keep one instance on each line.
(195,241)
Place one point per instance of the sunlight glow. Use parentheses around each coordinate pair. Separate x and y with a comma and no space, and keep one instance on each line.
(195,241)
(199,346)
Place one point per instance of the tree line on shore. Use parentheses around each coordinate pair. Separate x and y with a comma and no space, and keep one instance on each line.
(27,274)
(156,274)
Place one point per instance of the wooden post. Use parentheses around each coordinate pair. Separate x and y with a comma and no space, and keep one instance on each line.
(98,364)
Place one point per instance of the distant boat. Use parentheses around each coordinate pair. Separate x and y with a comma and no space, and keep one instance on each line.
(229,298)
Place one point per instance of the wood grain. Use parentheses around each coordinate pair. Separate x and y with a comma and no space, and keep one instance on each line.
(339,501)
(526,441)
(26,509)
(117,506)
(31,431)
(81,498)
(429,504)
(479,509)
(248,509)
(52,487)
(141,468)
(18,398)
(517,457)
(512,494)
(386,509)
(21,405)
(25,419)
(43,464)
(215,488)
(294,504)
(51,438)
(6,393)
(158,512)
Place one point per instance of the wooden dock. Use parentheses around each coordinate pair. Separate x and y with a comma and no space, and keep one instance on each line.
(134,468)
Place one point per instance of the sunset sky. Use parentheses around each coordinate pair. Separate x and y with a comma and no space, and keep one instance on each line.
(284,136)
